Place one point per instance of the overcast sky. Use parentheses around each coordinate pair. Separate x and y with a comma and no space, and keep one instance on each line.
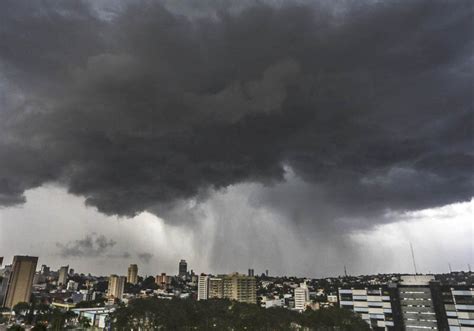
(294,136)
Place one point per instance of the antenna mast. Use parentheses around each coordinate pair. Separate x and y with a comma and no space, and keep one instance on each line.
(413,257)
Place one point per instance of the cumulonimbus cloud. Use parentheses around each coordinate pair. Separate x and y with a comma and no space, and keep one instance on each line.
(371,107)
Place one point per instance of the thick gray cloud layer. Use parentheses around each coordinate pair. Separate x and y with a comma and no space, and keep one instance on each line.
(370,106)
(91,245)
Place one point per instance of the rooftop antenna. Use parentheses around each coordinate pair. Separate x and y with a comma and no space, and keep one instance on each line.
(413,257)
(345,270)
(450,270)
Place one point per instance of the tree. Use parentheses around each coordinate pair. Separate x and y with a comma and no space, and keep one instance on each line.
(148,283)
(85,322)
(39,327)
(16,328)
(43,313)
(59,318)
(176,314)
(21,308)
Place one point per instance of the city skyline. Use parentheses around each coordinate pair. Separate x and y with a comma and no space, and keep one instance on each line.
(383,302)
(300,137)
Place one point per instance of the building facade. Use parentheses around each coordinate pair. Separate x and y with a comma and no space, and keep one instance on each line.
(301,297)
(62,275)
(132,275)
(20,280)
(216,288)
(4,283)
(203,287)
(458,303)
(417,304)
(374,305)
(116,287)
(163,280)
(183,269)
(241,288)
(235,286)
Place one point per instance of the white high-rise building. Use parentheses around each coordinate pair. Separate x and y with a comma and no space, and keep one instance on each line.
(203,287)
(301,297)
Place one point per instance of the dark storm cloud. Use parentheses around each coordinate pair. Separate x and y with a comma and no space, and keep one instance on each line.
(91,245)
(145,257)
(371,108)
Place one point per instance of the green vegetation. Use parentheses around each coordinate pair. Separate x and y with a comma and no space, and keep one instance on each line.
(16,328)
(45,315)
(156,314)
(21,308)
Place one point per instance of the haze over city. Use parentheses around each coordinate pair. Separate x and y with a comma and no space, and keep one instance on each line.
(294,136)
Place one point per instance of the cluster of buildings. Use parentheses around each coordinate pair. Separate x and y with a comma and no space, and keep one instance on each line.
(385,302)
(416,302)
(241,288)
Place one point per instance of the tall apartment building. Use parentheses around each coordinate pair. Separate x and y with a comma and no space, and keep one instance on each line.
(4,283)
(376,305)
(203,287)
(241,288)
(216,288)
(301,297)
(62,275)
(458,304)
(235,286)
(183,269)
(45,270)
(132,275)
(20,280)
(116,286)
(163,280)
(416,301)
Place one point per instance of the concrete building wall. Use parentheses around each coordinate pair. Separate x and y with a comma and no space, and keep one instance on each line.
(374,305)
(203,288)
(62,275)
(417,308)
(116,287)
(459,308)
(132,275)
(216,288)
(20,280)
(301,297)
